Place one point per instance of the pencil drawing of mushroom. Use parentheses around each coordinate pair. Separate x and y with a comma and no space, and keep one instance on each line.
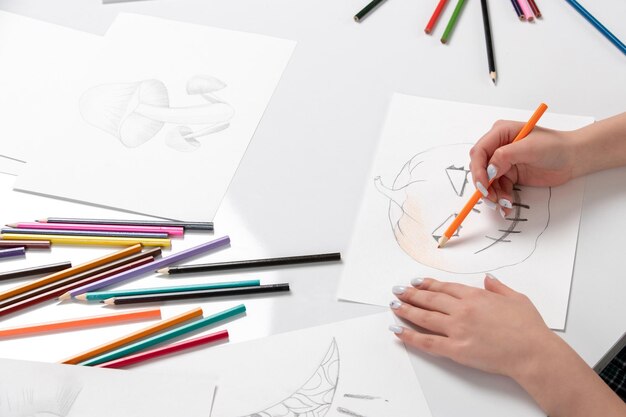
(136,112)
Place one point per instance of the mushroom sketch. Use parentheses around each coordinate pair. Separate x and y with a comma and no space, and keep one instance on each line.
(136,112)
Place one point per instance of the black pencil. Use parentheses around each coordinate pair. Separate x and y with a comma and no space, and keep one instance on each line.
(98,233)
(488,41)
(366,10)
(186,295)
(37,270)
(252,263)
(518,10)
(166,223)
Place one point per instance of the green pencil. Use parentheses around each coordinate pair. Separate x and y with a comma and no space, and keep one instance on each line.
(103,295)
(163,337)
(452,21)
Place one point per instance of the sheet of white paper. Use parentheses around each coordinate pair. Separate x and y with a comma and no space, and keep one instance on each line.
(420,179)
(161,121)
(11,166)
(354,366)
(40,63)
(40,389)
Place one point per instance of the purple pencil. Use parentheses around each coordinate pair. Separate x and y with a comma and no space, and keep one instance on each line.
(151,267)
(7,253)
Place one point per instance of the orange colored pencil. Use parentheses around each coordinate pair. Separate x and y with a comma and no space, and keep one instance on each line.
(74,324)
(70,271)
(160,326)
(528,127)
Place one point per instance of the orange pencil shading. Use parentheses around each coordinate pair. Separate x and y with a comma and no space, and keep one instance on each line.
(528,127)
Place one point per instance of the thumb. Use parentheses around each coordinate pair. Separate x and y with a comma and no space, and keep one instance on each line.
(494,285)
(505,157)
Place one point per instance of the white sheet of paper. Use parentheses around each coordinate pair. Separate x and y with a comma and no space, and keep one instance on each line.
(420,179)
(161,121)
(40,63)
(355,365)
(41,389)
(11,166)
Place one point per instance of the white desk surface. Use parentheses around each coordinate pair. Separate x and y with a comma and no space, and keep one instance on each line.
(300,183)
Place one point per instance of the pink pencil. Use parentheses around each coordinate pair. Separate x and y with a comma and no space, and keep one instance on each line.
(172,231)
(526,10)
(165,350)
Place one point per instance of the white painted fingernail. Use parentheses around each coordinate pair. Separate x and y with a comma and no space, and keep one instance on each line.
(396,329)
(490,204)
(482,189)
(492,171)
(398,289)
(395,304)
(416,282)
(502,213)
(505,203)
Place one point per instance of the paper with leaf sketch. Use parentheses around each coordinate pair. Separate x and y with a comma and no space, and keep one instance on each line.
(161,121)
(420,179)
(350,368)
(43,389)
(40,61)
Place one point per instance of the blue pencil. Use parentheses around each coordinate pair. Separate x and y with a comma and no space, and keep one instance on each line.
(614,40)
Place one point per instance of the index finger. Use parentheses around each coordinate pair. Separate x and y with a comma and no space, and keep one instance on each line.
(451,288)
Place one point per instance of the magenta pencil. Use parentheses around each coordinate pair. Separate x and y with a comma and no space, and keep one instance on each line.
(172,231)
(165,350)
(526,10)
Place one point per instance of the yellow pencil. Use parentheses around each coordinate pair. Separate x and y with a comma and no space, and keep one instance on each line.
(89,240)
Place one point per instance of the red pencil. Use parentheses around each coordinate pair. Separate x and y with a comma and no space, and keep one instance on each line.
(534,8)
(433,19)
(165,350)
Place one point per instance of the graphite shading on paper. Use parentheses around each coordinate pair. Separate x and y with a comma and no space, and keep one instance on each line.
(41,389)
(174,102)
(420,180)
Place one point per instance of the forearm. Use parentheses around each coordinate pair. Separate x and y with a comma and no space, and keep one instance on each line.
(599,146)
(564,385)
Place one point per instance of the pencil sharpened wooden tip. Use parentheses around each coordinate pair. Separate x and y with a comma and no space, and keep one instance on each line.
(64,297)
(108,301)
(81,297)
(442,242)
(42,221)
(11,225)
(165,271)
(493,76)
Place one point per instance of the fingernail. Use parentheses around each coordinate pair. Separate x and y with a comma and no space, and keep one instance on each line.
(492,171)
(395,304)
(505,203)
(482,189)
(490,204)
(396,329)
(416,282)
(398,289)
(488,275)
(502,213)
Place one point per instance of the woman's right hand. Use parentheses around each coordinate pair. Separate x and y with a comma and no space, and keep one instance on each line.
(544,158)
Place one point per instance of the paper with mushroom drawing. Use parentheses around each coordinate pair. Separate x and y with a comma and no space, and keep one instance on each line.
(162,120)
(349,368)
(420,179)
(43,389)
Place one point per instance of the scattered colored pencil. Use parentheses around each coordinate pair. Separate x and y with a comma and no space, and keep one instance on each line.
(535,9)
(253,263)
(528,127)
(170,230)
(452,22)
(367,10)
(435,17)
(185,225)
(26,244)
(36,270)
(520,15)
(103,295)
(165,350)
(80,323)
(84,233)
(488,40)
(168,335)
(188,295)
(599,26)
(12,252)
(153,266)
(70,271)
(89,240)
(28,300)
(193,314)
(526,10)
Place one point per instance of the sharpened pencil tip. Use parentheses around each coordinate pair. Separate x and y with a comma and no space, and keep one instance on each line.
(163,271)
(42,221)
(81,297)
(64,297)
(11,225)
(442,242)
(108,301)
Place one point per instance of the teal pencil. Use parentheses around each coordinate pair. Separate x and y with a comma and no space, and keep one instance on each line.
(163,337)
(103,295)
(452,21)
